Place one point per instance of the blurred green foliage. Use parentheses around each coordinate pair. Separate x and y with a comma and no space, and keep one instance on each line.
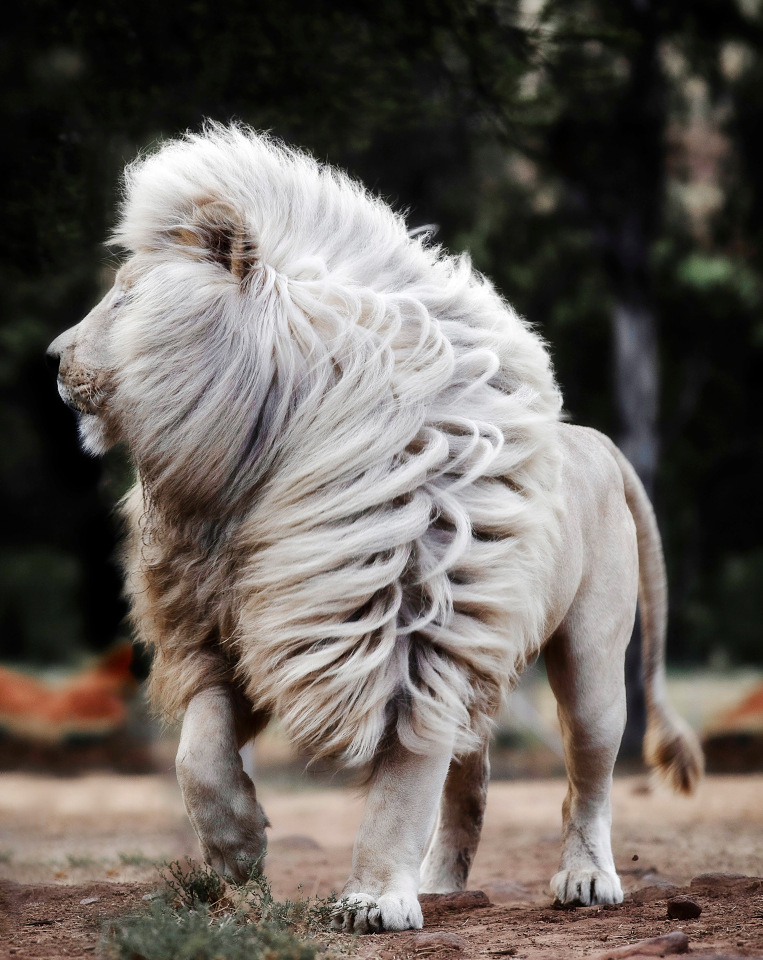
(542,142)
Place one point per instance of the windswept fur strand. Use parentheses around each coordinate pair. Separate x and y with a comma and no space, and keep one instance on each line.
(347,447)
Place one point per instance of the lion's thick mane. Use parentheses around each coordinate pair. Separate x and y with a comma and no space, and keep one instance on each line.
(347,451)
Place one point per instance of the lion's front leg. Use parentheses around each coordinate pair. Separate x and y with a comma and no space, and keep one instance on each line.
(219,797)
(382,892)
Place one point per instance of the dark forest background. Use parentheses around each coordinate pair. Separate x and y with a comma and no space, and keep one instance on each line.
(601,161)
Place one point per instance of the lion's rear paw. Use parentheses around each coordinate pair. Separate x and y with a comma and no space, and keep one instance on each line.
(362,913)
(582,888)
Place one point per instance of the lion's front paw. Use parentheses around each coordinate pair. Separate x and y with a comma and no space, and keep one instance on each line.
(582,888)
(362,913)
(229,822)
(234,849)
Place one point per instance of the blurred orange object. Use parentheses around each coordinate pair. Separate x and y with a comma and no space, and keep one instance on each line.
(733,742)
(747,715)
(92,702)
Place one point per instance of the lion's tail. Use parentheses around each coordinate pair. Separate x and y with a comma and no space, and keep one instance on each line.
(671,747)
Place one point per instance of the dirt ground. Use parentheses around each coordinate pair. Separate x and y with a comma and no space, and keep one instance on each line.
(74,852)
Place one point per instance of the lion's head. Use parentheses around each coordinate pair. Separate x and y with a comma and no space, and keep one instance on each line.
(159,361)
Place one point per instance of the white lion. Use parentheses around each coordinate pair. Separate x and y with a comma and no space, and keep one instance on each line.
(357,511)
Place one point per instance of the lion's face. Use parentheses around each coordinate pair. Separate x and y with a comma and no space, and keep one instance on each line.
(152,325)
(85,369)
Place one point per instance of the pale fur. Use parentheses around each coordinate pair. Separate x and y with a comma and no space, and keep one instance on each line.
(346,446)
(609,552)
(357,510)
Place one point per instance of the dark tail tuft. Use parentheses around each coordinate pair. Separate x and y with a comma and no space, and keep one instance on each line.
(672,749)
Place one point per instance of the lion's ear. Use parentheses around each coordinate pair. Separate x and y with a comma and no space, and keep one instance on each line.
(217,229)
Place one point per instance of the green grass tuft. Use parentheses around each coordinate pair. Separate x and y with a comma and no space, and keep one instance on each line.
(193,884)
(197,916)
(307,916)
(165,932)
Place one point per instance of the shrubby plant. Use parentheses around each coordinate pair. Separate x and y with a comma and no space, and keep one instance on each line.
(197,915)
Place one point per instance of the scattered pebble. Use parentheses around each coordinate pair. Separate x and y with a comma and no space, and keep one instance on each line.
(87,900)
(436,942)
(683,908)
(463,900)
(667,945)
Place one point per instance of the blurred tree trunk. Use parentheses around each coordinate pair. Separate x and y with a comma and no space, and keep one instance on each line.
(636,386)
(642,120)
(636,392)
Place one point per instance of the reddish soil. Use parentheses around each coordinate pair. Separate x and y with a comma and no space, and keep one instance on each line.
(74,852)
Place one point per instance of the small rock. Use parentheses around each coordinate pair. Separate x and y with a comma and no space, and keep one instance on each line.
(463,900)
(683,908)
(90,900)
(670,943)
(435,942)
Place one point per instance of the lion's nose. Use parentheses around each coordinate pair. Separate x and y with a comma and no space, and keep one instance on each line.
(53,359)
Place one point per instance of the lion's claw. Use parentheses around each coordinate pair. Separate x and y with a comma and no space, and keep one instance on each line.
(582,888)
(362,913)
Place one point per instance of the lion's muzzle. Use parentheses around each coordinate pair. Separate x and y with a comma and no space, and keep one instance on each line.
(77,400)
(79,386)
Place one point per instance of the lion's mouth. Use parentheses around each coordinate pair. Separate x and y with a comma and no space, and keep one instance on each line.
(87,401)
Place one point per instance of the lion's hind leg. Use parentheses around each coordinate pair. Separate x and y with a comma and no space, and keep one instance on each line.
(585,661)
(591,707)
(459,824)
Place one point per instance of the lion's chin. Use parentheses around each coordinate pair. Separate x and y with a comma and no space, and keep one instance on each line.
(94,435)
